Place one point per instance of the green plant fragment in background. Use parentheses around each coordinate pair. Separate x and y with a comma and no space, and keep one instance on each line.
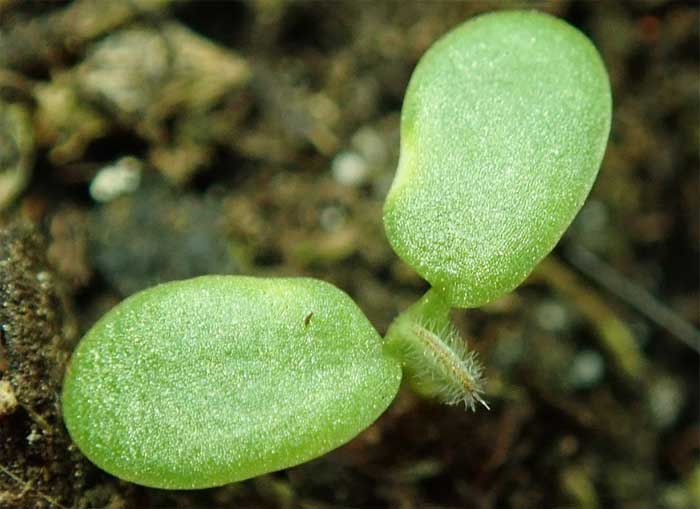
(503,129)
(210,380)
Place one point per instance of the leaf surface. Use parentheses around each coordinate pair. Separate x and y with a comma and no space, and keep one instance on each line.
(206,381)
(503,129)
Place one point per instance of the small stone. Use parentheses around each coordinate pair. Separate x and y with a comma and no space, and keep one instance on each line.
(665,401)
(122,177)
(587,369)
(127,70)
(8,400)
(552,316)
(370,144)
(33,437)
(349,168)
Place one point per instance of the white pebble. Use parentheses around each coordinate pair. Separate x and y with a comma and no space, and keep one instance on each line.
(124,176)
(349,168)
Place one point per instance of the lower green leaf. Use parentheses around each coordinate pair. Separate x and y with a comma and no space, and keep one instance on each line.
(216,379)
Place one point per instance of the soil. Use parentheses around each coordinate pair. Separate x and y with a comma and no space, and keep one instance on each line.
(151,140)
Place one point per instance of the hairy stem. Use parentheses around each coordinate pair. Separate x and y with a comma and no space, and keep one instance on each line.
(435,358)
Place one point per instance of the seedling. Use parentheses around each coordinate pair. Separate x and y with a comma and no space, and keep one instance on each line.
(216,379)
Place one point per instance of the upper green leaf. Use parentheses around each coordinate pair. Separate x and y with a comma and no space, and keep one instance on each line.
(503,129)
(211,380)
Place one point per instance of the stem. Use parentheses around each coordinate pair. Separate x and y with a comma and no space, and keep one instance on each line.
(435,358)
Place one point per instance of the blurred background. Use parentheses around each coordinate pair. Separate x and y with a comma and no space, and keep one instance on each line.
(153,140)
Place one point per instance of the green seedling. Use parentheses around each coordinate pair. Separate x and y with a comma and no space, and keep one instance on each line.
(207,381)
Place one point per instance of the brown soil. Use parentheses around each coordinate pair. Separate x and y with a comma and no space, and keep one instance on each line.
(244,121)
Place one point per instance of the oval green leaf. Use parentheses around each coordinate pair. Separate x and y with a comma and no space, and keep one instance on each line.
(503,129)
(216,379)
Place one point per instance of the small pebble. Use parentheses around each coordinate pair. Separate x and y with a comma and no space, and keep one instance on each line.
(33,437)
(8,400)
(349,169)
(587,369)
(552,316)
(370,144)
(122,177)
(665,401)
